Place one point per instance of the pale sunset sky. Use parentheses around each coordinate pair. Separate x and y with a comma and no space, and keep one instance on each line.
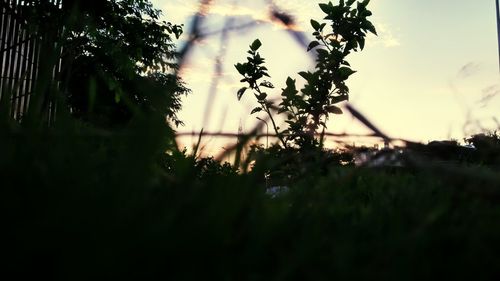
(432,73)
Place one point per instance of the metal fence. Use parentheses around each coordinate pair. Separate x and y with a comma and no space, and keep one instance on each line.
(20,51)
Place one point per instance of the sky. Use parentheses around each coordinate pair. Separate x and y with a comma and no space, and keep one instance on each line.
(431,74)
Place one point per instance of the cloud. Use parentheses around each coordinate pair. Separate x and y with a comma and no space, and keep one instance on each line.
(278,19)
(385,36)
(469,69)
(304,11)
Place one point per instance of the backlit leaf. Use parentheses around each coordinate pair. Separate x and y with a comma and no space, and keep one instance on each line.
(255,110)
(262,96)
(338,99)
(370,27)
(345,72)
(312,45)
(241,92)
(334,109)
(361,42)
(241,68)
(315,24)
(255,45)
(322,52)
(267,84)
(305,75)
(325,8)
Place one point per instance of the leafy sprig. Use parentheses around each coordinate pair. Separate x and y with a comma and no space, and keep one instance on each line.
(253,71)
(343,31)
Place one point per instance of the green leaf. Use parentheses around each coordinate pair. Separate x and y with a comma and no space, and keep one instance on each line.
(337,13)
(258,59)
(315,25)
(305,75)
(361,42)
(362,5)
(241,68)
(350,2)
(255,45)
(352,45)
(326,8)
(267,84)
(177,30)
(322,52)
(241,92)
(334,109)
(262,96)
(369,26)
(366,13)
(337,55)
(312,45)
(338,99)
(290,91)
(345,72)
(255,110)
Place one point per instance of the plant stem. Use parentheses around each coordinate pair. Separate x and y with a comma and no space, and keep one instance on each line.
(268,111)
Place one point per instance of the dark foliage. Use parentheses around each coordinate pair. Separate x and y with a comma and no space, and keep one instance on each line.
(284,167)
(487,148)
(117,54)
(78,203)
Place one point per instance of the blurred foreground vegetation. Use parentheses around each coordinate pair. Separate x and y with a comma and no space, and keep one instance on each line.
(81,199)
(77,204)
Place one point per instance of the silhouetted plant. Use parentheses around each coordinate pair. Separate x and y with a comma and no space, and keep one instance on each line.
(77,203)
(286,166)
(308,110)
(487,148)
(114,53)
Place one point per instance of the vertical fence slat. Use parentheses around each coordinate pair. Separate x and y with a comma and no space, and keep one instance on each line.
(3,23)
(31,77)
(20,57)
(27,90)
(22,76)
(9,38)
(16,85)
(23,69)
(4,56)
(14,61)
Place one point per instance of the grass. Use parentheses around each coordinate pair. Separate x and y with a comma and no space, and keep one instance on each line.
(77,204)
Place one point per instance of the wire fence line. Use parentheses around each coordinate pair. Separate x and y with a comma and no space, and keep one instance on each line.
(21,52)
(199,30)
(233,25)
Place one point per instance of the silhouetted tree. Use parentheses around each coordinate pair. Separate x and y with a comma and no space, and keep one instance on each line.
(118,57)
(487,148)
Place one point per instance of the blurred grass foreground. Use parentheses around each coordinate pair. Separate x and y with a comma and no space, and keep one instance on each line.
(94,185)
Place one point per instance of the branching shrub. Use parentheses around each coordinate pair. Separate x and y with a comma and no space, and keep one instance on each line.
(308,110)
